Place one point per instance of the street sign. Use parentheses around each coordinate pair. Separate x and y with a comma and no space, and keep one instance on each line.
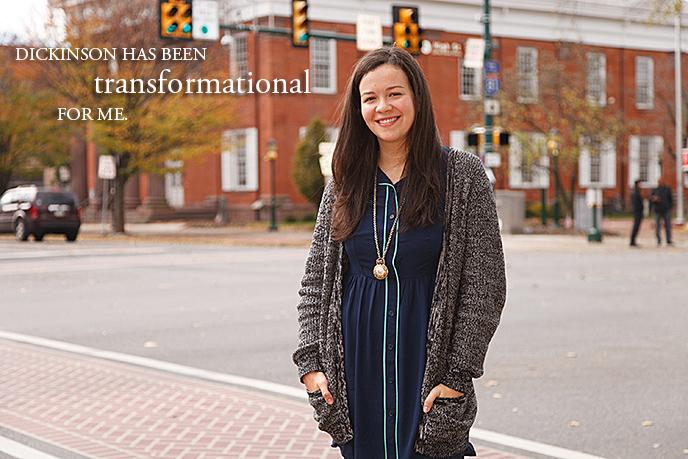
(492,107)
(684,156)
(475,52)
(593,197)
(368,32)
(206,20)
(326,150)
(491,86)
(491,67)
(106,167)
(493,159)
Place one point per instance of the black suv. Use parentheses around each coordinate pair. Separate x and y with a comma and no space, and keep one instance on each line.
(27,210)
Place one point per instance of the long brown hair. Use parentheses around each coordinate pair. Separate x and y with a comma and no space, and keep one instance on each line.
(356,155)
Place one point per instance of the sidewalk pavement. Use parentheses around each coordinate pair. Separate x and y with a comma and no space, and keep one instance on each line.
(104,409)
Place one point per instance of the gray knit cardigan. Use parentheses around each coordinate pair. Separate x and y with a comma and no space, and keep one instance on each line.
(470,292)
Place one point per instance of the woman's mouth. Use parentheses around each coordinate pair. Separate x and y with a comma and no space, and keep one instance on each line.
(385,122)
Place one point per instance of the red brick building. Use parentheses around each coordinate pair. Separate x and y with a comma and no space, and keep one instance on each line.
(629,70)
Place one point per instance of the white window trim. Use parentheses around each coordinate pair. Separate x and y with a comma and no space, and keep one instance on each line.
(458,140)
(602,98)
(607,165)
(478,84)
(536,89)
(233,67)
(332,88)
(541,168)
(651,83)
(229,161)
(656,144)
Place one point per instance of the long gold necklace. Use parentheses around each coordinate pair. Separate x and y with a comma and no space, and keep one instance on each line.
(380,270)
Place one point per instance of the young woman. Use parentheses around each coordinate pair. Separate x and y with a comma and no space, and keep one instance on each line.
(404,283)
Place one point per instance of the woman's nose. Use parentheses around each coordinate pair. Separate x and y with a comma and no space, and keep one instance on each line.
(382,106)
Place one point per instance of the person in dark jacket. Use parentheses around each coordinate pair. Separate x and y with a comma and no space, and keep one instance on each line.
(662,202)
(637,203)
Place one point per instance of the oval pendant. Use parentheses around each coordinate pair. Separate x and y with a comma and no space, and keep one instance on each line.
(380,271)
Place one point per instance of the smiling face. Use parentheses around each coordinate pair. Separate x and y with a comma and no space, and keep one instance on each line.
(387,105)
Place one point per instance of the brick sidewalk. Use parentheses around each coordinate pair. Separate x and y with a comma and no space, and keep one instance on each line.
(105,409)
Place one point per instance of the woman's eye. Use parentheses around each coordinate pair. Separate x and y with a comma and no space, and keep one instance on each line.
(368,99)
(395,94)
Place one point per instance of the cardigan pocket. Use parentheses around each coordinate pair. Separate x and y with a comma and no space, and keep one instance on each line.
(445,429)
(322,411)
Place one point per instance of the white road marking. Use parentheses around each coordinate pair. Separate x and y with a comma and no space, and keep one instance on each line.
(479,434)
(82,251)
(19,451)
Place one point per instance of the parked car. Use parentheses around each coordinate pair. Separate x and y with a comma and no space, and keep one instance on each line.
(31,210)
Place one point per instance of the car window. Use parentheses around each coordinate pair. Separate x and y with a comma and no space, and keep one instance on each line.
(45,198)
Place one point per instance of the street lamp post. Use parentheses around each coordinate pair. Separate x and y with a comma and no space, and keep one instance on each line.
(271,156)
(553,147)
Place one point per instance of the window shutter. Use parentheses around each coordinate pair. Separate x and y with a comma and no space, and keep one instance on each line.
(609,163)
(651,81)
(226,161)
(603,80)
(251,159)
(515,179)
(233,67)
(633,159)
(584,164)
(542,168)
(457,140)
(655,163)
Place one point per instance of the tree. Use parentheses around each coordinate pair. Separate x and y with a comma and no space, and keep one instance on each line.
(562,104)
(306,170)
(158,127)
(30,136)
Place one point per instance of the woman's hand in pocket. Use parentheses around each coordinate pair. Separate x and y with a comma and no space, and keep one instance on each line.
(316,380)
(439,390)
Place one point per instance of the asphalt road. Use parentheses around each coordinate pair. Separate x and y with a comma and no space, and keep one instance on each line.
(591,353)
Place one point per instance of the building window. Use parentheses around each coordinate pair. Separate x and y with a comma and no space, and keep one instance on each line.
(528,161)
(644,159)
(644,83)
(323,65)
(527,75)
(597,79)
(595,160)
(239,56)
(597,163)
(240,160)
(469,82)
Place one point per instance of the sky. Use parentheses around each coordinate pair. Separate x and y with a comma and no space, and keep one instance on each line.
(23,18)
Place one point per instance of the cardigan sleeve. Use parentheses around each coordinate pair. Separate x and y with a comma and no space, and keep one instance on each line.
(482,290)
(306,356)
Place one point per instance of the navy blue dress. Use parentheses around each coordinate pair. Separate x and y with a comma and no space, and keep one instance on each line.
(384,326)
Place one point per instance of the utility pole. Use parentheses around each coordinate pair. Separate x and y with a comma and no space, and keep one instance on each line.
(487,38)
(679,122)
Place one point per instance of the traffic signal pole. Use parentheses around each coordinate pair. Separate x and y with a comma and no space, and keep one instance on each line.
(488,56)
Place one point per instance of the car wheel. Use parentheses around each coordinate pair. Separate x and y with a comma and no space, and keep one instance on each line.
(20,230)
(71,237)
(38,237)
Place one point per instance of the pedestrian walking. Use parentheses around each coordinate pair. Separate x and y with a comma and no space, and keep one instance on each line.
(662,202)
(637,203)
(404,282)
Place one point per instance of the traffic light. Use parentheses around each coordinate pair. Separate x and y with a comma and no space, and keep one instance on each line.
(175,19)
(299,23)
(499,137)
(406,30)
